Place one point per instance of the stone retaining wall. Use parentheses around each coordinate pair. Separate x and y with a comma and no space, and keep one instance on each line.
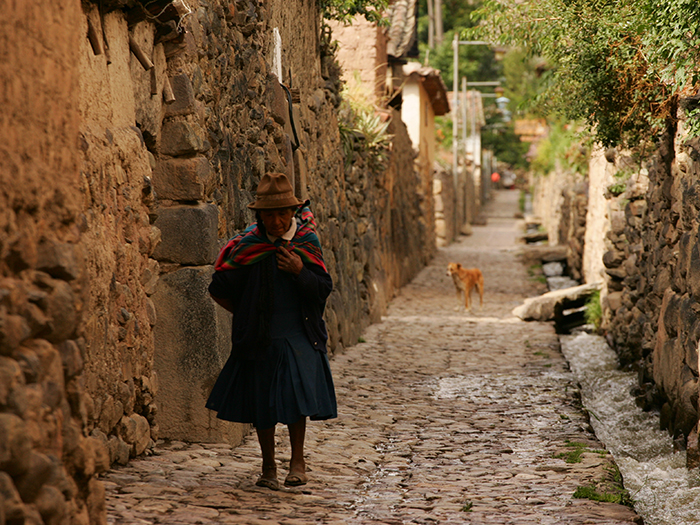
(653,266)
(121,178)
(560,201)
(48,462)
(651,263)
(445,208)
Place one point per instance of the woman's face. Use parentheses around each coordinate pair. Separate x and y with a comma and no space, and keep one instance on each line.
(277,221)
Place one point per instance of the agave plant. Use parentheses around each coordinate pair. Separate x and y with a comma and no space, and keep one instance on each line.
(363,129)
(375,137)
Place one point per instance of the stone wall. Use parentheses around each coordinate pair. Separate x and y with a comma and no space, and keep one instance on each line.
(446,220)
(653,265)
(121,178)
(572,227)
(560,201)
(650,259)
(363,46)
(48,462)
(600,176)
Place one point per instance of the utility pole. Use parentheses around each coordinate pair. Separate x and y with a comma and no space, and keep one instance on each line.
(431,25)
(463,106)
(474,141)
(439,35)
(455,115)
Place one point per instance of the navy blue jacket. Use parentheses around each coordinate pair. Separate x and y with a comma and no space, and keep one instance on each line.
(243,289)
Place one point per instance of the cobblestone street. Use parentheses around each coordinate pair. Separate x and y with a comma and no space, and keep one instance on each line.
(445,417)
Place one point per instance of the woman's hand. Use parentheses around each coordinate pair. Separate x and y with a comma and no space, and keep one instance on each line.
(288,261)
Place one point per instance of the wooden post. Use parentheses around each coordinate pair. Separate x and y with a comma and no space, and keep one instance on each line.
(139,54)
(154,82)
(108,55)
(168,94)
(94,38)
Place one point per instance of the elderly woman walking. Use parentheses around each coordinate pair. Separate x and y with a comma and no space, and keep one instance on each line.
(273,280)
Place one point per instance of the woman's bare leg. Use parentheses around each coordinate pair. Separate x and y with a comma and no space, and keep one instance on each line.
(297,464)
(266,438)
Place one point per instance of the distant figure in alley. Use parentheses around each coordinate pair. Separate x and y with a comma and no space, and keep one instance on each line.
(273,279)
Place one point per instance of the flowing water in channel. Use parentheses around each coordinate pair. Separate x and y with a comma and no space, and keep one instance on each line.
(665,492)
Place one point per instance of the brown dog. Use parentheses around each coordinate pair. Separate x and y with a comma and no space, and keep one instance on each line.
(466,279)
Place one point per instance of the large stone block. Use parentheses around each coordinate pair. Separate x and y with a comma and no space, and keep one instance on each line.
(614,300)
(670,312)
(60,260)
(192,343)
(72,358)
(276,100)
(182,179)
(686,416)
(38,472)
(543,307)
(184,103)
(11,378)
(20,252)
(96,504)
(613,258)
(119,450)
(693,272)
(134,429)
(111,413)
(10,500)
(51,504)
(668,364)
(180,137)
(188,234)
(15,445)
(13,330)
(61,309)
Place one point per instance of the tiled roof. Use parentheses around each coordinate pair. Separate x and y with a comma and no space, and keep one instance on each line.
(401,34)
(432,83)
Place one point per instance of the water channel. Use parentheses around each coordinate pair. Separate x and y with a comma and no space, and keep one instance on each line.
(665,492)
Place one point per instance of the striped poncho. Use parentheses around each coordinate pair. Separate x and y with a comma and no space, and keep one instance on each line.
(253,245)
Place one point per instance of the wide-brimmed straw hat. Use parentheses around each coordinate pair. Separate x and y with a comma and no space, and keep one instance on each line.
(274,191)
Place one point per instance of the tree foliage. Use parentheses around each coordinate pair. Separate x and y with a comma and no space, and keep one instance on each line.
(505,144)
(620,65)
(478,63)
(345,10)
(475,62)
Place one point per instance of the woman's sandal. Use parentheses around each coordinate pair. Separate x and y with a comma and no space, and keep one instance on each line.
(296,480)
(268,479)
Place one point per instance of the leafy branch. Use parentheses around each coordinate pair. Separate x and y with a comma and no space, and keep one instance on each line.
(345,10)
(620,65)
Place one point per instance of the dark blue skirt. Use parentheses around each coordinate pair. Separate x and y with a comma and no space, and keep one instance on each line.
(295,382)
(287,381)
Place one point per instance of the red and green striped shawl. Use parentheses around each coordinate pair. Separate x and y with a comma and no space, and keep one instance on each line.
(252,245)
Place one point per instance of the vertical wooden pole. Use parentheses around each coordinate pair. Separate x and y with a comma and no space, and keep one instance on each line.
(439,34)
(431,25)
(455,113)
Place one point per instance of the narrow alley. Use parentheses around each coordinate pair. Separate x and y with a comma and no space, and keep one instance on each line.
(444,417)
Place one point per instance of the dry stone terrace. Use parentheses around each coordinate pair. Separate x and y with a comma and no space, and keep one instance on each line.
(444,417)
